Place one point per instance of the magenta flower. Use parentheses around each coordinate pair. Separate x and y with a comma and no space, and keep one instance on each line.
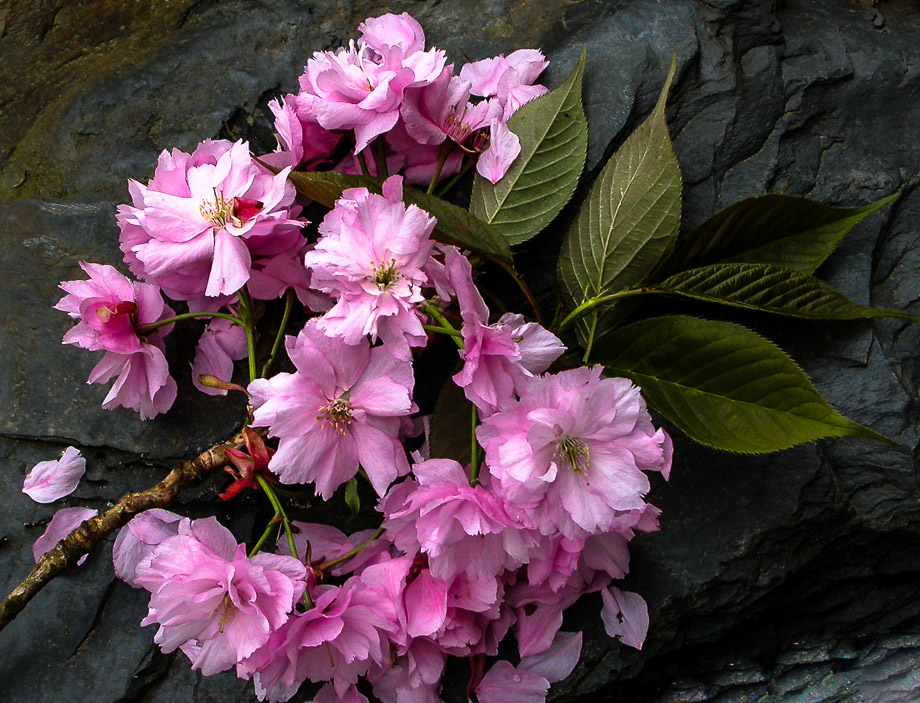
(336,641)
(195,228)
(361,87)
(137,540)
(370,259)
(572,451)
(498,358)
(211,600)
(341,408)
(65,521)
(112,312)
(49,480)
(461,528)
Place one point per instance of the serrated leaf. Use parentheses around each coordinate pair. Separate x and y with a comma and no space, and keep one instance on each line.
(455,225)
(723,385)
(449,434)
(768,289)
(352,500)
(782,230)
(554,140)
(631,218)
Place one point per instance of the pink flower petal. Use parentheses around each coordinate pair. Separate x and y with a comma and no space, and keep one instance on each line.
(505,684)
(62,524)
(557,662)
(50,480)
(625,616)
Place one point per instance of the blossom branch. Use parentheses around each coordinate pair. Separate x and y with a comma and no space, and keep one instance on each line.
(90,533)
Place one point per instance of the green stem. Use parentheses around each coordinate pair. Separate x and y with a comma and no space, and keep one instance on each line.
(246,315)
(147,329)
(432,310)
(522,285)
(289,299)
(589,305)
(362,160)
(354,552)
(474,451)
(380,157)
(264,537)
(279,510)
(443,153)
(443,330)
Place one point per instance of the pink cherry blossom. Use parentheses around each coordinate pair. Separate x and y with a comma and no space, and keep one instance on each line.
(497,358)
(361,87)
(573,450)
(112,312)
(336,640)
(196,227)
(509,79)
(137,540)
(49,480)
(460,527)
(370,259)
(304,144)
(211,600)
(65,521)
(341,408)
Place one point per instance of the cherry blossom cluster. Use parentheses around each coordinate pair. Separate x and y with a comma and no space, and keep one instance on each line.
(464,555)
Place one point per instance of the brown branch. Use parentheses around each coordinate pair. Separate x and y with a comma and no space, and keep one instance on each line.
(79,542)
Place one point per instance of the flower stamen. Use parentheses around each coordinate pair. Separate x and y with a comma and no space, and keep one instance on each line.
(337,415)
(575,452)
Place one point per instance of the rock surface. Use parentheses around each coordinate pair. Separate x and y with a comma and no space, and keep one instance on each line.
(785,578)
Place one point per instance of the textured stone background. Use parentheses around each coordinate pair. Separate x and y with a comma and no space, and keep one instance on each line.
(789,578)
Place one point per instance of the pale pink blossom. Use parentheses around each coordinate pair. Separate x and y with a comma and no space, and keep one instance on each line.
(336,640)
(49,480)
(361,87)
(303,143)
(460,527)
(137,540)
(211,600)
(196,227)
(509,79)
(370,259)
(572,451)
(65,521)
(341,408)
(112,313)
(625,616)
(498,358)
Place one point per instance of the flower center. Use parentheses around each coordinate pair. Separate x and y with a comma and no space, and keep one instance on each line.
(218,211)
(337,415)
(107,313)
(385,274)
(575,452)
(228,610)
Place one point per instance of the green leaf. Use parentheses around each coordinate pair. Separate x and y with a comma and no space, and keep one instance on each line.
(768,289)
(351,498)
(783,230)
(455,225)
(554,142)
(723,385)
(449,433)
(631,218)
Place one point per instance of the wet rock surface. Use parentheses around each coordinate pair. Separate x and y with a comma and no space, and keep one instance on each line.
(785,578)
